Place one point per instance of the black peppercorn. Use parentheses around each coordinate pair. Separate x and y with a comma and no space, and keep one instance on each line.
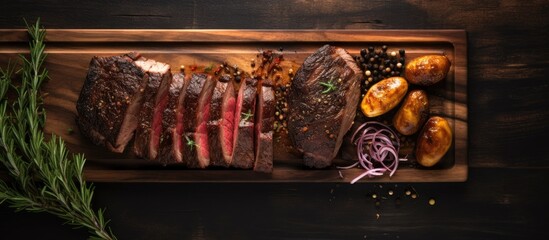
(370,49)
(363,52)
(384,48)
(237,78)
(402,52)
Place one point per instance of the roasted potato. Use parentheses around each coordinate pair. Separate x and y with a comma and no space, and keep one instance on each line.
(427,70)
(433,142)
(384,96)
(413,113)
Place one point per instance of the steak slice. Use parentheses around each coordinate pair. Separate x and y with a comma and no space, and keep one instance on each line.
(155,98)
(110,100)
(172,121)
(320,116)
(214,123)
(227,124)
(264,120)
(197,111)
(243,146)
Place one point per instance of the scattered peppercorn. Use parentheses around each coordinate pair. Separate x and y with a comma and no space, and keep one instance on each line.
(378,64)
(432,201)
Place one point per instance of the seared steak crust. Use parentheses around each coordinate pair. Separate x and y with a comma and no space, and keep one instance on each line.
(321,115)
(265,113)
(243,150)
(110,99)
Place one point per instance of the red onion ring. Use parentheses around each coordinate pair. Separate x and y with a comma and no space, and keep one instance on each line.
(377,153)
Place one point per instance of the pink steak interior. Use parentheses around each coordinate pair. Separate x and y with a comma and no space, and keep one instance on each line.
(157,123)
(228,125)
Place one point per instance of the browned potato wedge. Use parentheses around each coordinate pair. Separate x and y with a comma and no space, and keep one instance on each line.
(413,113)
(384,96)
(433,142)
(427,70)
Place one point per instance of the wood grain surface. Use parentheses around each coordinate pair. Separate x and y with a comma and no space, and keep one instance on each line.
(505,196)
(70,51)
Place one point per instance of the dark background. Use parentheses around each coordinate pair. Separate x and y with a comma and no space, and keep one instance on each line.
(505,197)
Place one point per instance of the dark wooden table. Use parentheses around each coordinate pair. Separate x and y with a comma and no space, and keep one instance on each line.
(505,197)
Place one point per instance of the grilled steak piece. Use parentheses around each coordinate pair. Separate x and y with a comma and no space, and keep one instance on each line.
(243,146)
(172,121)
(197,111)
(323,99)
(214,124)
(155,98)
(227,124)
(264,120)
(110,100)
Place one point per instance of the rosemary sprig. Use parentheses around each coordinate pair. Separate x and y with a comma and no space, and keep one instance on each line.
(44,178)
(329,86)
(209,68)
(191,143)
(247,115)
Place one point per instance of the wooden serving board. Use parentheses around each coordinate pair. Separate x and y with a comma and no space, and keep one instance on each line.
(70,51)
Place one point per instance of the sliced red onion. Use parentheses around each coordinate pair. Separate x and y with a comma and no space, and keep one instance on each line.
(377,153)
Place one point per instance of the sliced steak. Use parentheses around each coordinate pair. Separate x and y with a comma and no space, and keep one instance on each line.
(110,100)
(227,124)
(214,124)
(264,120)
(172,118)
(197,111)
(320,115)
(243,150)
(155,98)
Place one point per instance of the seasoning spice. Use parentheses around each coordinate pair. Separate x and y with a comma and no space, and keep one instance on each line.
(267,66)
(378,64)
